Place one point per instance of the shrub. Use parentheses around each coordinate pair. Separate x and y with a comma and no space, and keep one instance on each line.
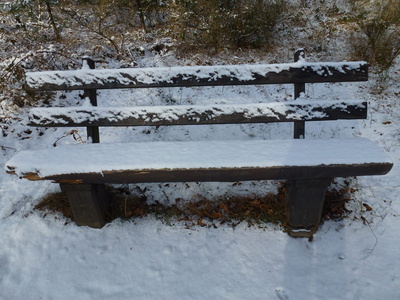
(220,24)
(379,39)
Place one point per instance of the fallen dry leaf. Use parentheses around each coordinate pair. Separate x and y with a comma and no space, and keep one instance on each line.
(216,215)
(201,223)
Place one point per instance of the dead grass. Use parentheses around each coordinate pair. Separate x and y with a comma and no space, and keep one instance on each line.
(56,202)
(255,211)
(335,203)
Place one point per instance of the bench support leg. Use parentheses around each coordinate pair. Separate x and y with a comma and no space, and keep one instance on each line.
(304,203)
(89,203)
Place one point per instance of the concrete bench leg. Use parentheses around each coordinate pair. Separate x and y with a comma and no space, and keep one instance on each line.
(304,203)
(89,203)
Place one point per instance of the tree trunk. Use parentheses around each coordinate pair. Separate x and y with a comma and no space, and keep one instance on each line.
(141,15)
(52,22)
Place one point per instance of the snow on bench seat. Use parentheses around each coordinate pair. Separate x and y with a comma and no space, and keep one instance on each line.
(191,161)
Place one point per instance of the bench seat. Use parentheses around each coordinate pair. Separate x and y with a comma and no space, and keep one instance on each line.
(202,161)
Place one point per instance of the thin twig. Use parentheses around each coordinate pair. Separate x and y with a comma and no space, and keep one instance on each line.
(376,239)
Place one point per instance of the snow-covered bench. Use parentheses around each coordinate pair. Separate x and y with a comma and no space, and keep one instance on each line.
(308,165)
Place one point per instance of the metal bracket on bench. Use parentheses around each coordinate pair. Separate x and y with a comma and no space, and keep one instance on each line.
(304,203)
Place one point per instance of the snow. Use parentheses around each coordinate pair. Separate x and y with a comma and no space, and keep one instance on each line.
(96,158)
(44,256)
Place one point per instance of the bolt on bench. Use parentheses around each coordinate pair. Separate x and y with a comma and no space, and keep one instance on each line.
(308,165)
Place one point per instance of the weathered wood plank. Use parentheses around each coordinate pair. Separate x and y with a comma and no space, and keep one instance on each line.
(300,72)
(224,174)
(203,161)
(196,114)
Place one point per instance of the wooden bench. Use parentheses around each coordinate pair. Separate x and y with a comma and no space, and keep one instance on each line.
(308,165)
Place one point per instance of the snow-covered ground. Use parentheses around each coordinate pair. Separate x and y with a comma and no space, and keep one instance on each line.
(43,256)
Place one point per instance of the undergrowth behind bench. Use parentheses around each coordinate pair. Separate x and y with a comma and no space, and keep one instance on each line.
(233,210)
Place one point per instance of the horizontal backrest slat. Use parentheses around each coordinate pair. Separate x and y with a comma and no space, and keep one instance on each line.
(299,72)
(305,110)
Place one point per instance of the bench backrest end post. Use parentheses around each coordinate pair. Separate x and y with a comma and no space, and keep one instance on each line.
(92,132)
(299,126)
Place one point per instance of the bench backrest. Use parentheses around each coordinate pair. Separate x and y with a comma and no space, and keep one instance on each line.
(298,73)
